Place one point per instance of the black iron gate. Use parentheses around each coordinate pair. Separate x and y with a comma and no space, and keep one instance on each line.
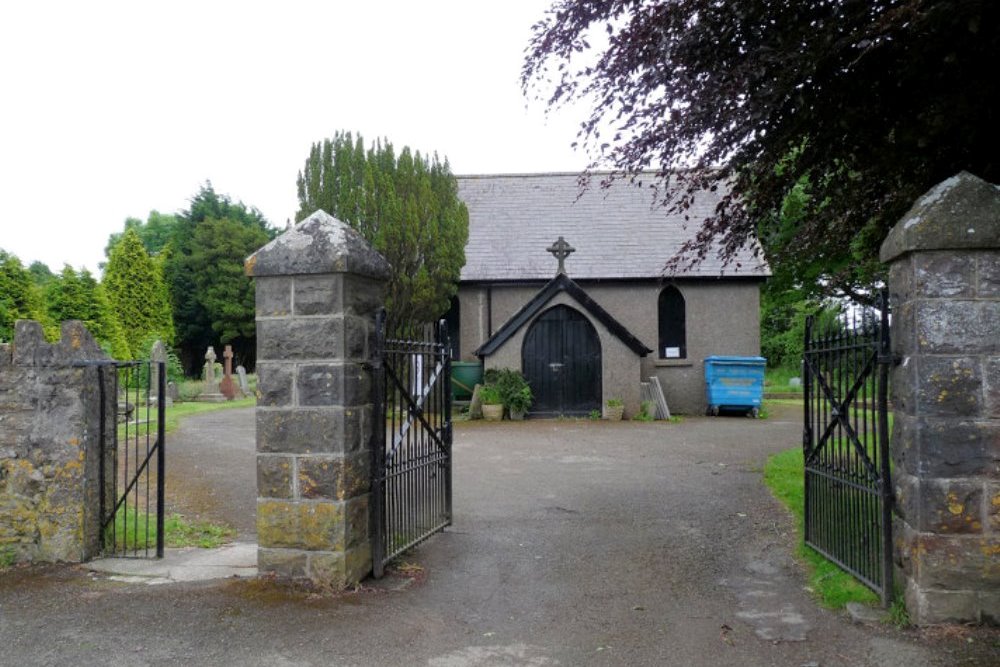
(411,462)
(848,492)
(132,466)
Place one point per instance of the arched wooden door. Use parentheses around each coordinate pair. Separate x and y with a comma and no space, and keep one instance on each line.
(561,359)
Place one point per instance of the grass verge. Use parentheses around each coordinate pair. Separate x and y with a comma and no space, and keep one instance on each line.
(178,531)
(784,474)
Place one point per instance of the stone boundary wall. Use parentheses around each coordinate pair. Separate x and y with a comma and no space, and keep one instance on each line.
(944,283)
(49,431)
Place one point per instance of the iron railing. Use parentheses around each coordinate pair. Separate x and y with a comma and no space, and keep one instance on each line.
(412,452)
(848,490)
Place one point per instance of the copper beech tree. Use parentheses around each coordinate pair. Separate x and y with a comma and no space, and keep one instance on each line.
(854,107)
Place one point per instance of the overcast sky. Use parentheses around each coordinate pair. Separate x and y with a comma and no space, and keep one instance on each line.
(112,109)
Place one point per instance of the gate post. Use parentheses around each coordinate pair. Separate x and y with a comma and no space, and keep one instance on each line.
(944,281)
(318,287)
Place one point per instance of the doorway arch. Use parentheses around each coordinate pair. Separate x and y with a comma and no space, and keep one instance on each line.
(561,359)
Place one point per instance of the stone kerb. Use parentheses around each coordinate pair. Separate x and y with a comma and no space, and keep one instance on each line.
(318,287)
(944,282)
(49,449)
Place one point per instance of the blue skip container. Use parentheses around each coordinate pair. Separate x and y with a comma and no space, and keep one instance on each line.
(734,383)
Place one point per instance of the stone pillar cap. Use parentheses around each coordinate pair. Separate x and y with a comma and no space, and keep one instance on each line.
(318,244)
(961,212)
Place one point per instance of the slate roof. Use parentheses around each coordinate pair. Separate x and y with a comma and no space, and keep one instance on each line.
(561,283)
(617,233)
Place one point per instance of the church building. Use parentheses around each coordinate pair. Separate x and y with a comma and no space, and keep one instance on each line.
(571,289)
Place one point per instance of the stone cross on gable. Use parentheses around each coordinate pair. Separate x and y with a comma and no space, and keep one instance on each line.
(561,250)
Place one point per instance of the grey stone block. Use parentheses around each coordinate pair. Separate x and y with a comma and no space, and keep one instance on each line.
(958,327)
(959,562)
(300,339)
(901,282)
(274,384)
(363,296)
(907,491)
(950,507)
(357,332)
(989,607)
(333,477)
(318,295)
(954,448)
(285,563)
(936,607)
(960,212)
(333,384)
(273,296)
(992,491)
(904,448)
(903,386)
(274,476)
(944,274)
(989,274)
(319,244)
(949,387)
(316,431)
(357,522)
(991,387)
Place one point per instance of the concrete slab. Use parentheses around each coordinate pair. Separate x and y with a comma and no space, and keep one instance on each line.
(238,559)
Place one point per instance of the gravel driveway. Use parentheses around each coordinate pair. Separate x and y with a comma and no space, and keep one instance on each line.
(574,543)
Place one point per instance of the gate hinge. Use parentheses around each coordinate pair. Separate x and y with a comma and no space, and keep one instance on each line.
(890,359)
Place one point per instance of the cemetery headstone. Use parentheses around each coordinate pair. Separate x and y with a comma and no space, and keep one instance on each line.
(157,355)
(210,386)
(241,373)
(227,386)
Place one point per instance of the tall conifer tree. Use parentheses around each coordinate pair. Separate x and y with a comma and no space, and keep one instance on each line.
(19,297)
(406,207)
(136,293)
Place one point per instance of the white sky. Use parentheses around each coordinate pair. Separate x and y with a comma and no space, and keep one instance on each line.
(112,109)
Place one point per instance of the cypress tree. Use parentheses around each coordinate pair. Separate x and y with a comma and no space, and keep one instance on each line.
(76,295)
(136,294)
(406,207)
(19,297)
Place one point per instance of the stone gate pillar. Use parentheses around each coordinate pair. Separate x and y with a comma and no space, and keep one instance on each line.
(944,280)
(318,287)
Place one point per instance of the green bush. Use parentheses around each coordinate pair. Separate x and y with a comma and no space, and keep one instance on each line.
(515,394)
(490,395)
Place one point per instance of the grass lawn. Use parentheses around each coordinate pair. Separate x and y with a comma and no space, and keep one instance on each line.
(177,531)
(776,380)
(784,475)
(179,411)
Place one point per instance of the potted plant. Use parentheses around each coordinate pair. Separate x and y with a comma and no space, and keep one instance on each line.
(492,403)
(614,409)
(519,402)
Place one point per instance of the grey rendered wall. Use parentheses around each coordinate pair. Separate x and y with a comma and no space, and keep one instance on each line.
(723,317)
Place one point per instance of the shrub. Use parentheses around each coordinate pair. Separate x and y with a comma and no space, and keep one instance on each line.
(515,394)
(490,395)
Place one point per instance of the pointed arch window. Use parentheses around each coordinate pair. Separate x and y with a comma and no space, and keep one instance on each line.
(673,336)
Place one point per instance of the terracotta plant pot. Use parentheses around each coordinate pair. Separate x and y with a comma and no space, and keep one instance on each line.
(492,413)
(614,413)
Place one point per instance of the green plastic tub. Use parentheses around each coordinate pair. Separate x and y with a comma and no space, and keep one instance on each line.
(465,375)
